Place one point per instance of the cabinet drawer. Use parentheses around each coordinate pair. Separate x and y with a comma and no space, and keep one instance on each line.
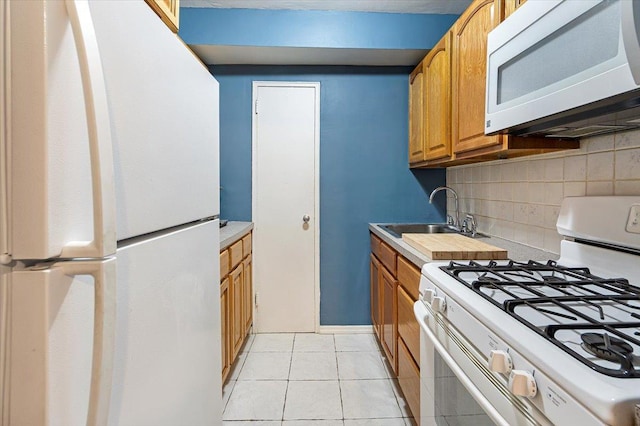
(246,245)
(408,327)
(388,257)
(409,379)
(375,245)
(235,252)
(224,264)
(409,277)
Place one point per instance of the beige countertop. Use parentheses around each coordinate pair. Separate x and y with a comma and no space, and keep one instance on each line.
(516,251)
(232,232)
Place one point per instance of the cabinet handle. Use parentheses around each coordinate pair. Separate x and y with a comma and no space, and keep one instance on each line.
(306,218)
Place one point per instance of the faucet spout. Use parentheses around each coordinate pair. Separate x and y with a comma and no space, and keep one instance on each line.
(455,197)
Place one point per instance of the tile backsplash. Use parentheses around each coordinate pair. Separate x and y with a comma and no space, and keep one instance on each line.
(519,199)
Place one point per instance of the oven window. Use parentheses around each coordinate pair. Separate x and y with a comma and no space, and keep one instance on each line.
(453,403)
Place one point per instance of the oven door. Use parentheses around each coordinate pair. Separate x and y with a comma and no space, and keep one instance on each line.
(456,385)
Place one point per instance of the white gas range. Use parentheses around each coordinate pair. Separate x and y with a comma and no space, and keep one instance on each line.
(539,343)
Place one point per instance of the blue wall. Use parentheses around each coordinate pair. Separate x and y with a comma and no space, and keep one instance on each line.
(364,175)
(309,28)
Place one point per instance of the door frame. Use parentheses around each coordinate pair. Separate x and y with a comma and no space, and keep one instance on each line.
(316,179)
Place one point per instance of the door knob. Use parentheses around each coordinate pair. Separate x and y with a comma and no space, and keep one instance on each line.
(306,218)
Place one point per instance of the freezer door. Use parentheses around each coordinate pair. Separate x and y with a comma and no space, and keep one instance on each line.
(157,104)
(167,360)
(57,334)
(164,111)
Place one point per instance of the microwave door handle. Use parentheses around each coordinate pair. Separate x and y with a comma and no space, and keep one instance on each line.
(630,23)
(100,143)
(104,318)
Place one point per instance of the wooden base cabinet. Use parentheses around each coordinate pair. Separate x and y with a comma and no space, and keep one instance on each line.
(236,300)
(409,379)
(394,290)
(375,295)
(383,297)
(225,342)
(247,295)
(236,278)
(389,335)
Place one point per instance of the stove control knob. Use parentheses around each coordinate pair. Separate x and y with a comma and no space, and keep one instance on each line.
(522,383)
(429,295)
(438,304)
(500,362)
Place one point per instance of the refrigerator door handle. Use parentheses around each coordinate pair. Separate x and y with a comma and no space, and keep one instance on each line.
(100,143)
(104,275)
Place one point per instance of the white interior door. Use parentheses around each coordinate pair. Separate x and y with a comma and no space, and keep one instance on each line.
(285,205)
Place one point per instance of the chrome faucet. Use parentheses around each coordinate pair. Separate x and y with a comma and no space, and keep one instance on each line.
(455,197)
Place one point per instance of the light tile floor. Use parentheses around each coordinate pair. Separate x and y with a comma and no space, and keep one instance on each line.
(312,379)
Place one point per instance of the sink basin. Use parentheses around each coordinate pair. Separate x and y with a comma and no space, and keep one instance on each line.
(397,229)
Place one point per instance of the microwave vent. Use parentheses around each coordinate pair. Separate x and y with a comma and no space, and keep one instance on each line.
(596,129)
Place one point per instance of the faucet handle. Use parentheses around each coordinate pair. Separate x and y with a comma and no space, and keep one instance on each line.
(450,220)
(469,224)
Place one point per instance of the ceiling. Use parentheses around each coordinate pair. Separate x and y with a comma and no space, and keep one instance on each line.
(391,6)
(318,56)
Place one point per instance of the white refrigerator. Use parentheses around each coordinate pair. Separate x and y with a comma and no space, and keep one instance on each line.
(109,230)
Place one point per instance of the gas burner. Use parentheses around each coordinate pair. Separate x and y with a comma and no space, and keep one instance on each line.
(606,347)
(562,303)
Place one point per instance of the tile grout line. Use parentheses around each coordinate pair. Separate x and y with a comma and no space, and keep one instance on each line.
(286,392)
(335,354)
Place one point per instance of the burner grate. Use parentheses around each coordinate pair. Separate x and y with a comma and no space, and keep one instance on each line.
(568,299)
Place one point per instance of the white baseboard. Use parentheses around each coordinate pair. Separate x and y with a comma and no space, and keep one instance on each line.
(345,329)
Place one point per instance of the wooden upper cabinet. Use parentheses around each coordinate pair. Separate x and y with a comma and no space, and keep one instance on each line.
(510,6)
(168,11)
(416,117)
(437,100)
(469,75)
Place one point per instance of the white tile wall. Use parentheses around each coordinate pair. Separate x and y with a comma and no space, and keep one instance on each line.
(519,199)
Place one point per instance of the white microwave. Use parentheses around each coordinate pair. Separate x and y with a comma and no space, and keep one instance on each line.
(565,68)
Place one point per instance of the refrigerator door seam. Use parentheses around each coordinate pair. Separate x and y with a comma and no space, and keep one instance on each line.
(100,143)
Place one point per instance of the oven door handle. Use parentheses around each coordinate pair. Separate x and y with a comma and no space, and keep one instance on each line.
(421,313)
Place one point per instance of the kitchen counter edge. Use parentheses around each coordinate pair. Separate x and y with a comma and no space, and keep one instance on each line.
(232,232)
(516,251)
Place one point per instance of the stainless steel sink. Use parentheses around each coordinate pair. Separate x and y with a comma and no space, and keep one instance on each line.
(397,229)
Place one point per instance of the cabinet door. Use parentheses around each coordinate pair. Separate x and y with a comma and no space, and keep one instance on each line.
(408,327)
(168,11)
(510,6)
(247,296)
(437,100)
(416,117)
(389,317)
(409,379)
(374,271)
(237,330)
(469,75)
(224,324)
